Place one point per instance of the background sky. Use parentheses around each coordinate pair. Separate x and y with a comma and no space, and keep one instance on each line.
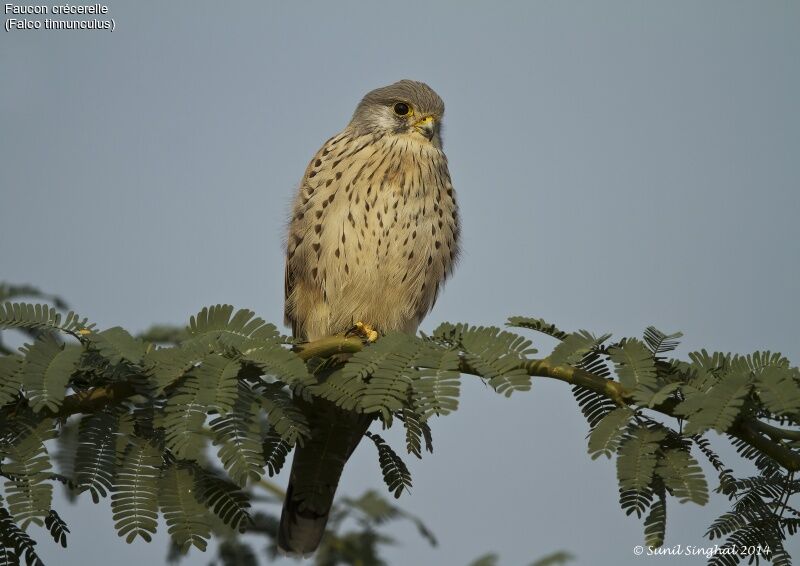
(617,164)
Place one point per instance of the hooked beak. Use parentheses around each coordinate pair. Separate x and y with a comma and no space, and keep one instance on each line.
(426,127)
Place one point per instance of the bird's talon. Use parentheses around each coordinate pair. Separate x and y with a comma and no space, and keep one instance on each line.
(366,331)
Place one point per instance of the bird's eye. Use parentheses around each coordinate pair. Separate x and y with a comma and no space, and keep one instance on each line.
(402,109)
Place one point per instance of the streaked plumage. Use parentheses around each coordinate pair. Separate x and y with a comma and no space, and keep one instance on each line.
(373,235)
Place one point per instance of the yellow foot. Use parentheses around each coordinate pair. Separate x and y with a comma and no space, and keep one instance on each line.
(366,331)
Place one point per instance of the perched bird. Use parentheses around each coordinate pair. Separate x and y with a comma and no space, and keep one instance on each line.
(373,235)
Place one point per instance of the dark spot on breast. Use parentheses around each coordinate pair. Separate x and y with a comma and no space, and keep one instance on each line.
(414,235)
(366,205)
(314,273)
(433,230)
(318,214)
(337,253)
(318,228)
(430,259)
(346,268)
(317,163)
(438,244)
(297,239)
(299,215)
(312,174)
(352,221)
(338,175)
(328,182)
(343,238)
(317,247)
(411,254)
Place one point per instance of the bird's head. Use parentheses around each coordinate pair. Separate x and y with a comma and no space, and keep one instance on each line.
(405,108)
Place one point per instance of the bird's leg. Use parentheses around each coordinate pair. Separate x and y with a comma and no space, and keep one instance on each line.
(365,331)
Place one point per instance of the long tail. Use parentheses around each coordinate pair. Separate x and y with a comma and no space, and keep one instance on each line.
(316,469)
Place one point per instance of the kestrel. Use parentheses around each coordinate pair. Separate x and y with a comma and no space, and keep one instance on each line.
(374,233)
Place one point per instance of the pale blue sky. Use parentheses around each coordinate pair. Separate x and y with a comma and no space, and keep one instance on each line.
(618,164)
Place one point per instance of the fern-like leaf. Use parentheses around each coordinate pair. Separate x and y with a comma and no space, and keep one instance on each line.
(117,345)
(395,472)
(95,463)
(184,416)
(218,327)
(636,463)
(606,436)
(655,524)
(57,528)
(283,416)
(239,437)
(716,409)
(779,389)
(134,503)
(40,317)
(636,368)
(15,543)
(280,363)
(46,372)
(574,347)
(436,386)
(10,378)
(165,366)
(224,498)
(417,429)
(497,356)
(683,476)
(183,510)
(274,450)
(659,342)
(28,491)
(537,324)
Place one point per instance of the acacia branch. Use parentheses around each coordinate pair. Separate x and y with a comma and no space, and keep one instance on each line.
(757,434)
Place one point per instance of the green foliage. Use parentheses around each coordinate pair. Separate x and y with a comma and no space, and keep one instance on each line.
(15,543)
(184,512)
(57,527)
(636,368)
(27,469)
(605,437)
(275,449)
(238,435)
(41,317)
(717,407)
(96,459)
(46,372)
(135,499)
(493,354)
(575,346)
(147,410)
(395,472)
(683,476)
